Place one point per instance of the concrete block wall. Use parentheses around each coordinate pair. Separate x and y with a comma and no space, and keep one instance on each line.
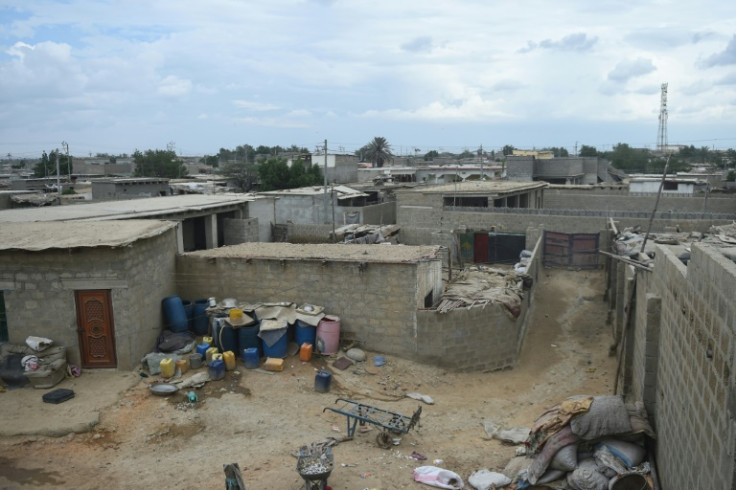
(469,339)
(477,338)
(693,406)
(39,293)
(241,230)
(379,214)
(377,302)
(308,233)
(595,199)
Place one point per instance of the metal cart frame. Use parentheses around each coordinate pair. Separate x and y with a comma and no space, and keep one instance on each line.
(390,422)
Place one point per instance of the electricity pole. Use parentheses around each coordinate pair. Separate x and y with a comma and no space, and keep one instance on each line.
(68,162)
(325,172)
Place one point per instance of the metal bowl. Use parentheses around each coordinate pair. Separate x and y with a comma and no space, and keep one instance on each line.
(163,389)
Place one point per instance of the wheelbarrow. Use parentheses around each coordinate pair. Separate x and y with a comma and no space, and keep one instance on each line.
(389,422)
(315,465)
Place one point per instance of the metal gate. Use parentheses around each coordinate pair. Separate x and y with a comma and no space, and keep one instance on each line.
(576,250)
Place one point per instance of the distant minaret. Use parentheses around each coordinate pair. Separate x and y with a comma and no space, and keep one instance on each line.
(662,134)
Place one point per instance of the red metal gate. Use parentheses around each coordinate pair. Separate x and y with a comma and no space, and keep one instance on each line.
(576,250)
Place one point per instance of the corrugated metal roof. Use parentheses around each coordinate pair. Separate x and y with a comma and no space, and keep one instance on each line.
(149,207)
(38,236)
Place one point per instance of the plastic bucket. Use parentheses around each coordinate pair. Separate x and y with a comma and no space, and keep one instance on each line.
(248,338)
(632,481)
(278,348)
(200,320)
(195,361)
(322,381)
(251,357)
(174,314)
(304,334)
(328,335)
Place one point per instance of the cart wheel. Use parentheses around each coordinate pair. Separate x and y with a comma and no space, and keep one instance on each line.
(384,440)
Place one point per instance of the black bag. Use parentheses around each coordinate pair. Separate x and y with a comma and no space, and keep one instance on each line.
(58,395)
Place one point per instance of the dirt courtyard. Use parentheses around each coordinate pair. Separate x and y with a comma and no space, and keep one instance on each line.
(259,420)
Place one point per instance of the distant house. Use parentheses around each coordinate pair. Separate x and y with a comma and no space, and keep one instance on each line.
(649,184)
(564,170)
(129,188)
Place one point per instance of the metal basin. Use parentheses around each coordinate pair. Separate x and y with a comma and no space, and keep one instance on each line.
(163,389)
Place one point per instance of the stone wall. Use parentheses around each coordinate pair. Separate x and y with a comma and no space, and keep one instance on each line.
(39,292)
(682,356)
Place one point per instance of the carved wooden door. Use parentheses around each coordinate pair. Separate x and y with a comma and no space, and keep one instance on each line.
(96,329)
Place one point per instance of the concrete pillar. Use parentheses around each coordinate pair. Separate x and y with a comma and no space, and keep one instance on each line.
(180,237)
(210,230)
(651,352)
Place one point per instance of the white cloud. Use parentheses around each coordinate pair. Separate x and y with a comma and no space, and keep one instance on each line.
(173,86)
(335,69)
(725,57)
(628,69)
(255,106)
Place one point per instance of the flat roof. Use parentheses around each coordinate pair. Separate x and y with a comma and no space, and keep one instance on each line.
(325,251)
(147,207)
(342,191)
(481,187)
(38,236)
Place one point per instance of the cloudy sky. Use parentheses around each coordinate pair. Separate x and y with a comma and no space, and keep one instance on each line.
(112,76)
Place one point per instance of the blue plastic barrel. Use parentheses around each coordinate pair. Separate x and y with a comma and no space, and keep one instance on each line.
(189,310)
(278,348)
(248,338)
(217,370)
(174,314)
(200,320)
(224,336)
(251,357)
(322,381)
(304,334)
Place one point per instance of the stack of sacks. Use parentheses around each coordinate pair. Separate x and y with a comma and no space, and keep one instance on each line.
(587,443)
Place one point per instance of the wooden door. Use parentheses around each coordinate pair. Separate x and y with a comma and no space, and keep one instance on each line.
(480,248)
(96,329)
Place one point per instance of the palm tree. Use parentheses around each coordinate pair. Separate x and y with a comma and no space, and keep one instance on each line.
(378,151)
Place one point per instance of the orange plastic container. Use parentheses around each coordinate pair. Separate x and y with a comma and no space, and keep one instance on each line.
(305,352)
(229,358)
(183,365)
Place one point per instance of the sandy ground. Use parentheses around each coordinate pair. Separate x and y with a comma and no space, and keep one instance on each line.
(259,420)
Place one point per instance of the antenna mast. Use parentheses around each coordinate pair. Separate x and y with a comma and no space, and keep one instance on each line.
(662,134)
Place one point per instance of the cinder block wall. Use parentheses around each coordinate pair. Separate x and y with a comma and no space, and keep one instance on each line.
(241,230)
(39,292)
(476,338)
(689,383)
(377,305)
(589,199)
